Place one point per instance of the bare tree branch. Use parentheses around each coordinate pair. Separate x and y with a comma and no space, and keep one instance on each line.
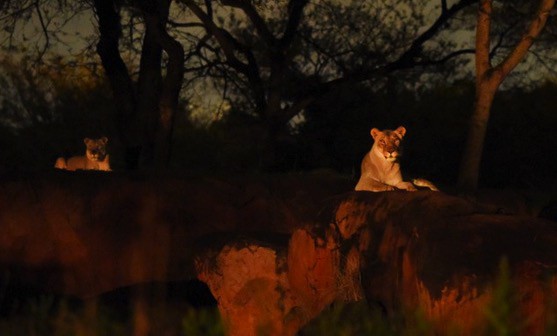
(483,28)
(446,58)
(19,11)
(226,41)
(45,32)
(534,29)
(255,19)
(406,59)
(185,24)
(295,8)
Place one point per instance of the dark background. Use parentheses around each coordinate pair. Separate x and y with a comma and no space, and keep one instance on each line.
(519,151)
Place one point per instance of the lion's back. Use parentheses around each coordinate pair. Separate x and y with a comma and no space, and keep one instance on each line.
(82,163)
(73,163)
(77,163)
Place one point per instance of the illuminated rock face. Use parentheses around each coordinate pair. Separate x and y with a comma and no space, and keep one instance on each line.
(251,287)
(265,288)
(87,233)
(407,251)
(440,255)
(276,251)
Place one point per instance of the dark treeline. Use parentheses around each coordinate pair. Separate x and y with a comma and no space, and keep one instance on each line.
(334,134)
(305,81)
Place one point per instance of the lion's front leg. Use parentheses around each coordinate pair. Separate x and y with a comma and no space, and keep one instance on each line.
(380,186)
(408,186)
(370,184)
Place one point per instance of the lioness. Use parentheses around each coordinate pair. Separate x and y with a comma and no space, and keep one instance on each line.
(380,167)
(95,157)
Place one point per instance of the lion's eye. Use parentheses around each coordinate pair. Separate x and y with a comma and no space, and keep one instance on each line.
(382,141)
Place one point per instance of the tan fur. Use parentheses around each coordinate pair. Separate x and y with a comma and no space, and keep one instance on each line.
(380,167)
(95,157)
(420,182)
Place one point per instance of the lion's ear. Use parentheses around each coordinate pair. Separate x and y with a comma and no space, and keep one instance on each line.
(104,140)
(86,141)
(401,131)
(374,132)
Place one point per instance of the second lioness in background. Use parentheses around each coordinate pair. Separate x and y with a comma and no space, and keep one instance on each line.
(380,167)
(95,157)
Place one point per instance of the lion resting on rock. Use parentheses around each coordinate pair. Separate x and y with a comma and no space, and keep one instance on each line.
(95,157)
(380,167)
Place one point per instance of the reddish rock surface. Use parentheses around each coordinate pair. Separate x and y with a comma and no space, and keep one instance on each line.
(407,252)
(275,250)
(86,232)
(440,254)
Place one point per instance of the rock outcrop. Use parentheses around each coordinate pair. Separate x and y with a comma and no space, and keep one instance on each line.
(276,250)
(441,255)
(405,251)
(85,233)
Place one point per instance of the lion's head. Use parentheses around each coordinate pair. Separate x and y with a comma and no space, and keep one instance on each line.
(387,142)
(96,148)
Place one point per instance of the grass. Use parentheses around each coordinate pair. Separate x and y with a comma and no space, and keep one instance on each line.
(43,315)
(502,318)
(183,309)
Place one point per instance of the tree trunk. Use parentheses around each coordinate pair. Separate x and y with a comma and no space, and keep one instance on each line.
(160,104)
(470,165)
(146,115)
(120,81)
(149,86)
(488,80)
(276,134)
(170,92)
